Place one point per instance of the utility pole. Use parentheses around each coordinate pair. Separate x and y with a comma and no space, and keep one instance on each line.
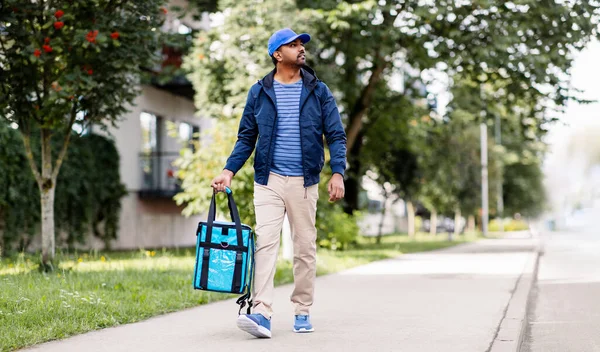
(499,196)
(484,180)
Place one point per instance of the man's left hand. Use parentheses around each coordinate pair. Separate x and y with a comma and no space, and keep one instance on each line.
(336,188)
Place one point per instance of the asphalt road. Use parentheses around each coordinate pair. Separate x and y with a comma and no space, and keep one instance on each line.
(565,311)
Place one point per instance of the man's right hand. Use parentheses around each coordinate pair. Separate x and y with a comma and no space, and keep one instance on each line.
(223,180)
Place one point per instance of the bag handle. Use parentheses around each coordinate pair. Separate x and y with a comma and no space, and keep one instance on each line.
(233,212)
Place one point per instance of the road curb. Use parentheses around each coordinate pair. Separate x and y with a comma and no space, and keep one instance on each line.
(513,325)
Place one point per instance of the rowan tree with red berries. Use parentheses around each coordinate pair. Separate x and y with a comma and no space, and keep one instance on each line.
(66,63)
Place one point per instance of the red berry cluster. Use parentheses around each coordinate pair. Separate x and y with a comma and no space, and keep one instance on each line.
(91,36)
(58,24)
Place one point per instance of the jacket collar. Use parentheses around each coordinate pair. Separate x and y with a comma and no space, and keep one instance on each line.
(309,78)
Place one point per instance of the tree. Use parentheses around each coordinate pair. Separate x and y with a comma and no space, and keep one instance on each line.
(366,42)
(392,145)
(524,119)
(524,189)
(367,51)
(70,62)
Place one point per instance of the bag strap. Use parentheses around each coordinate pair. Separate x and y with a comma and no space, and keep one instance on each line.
(247,298)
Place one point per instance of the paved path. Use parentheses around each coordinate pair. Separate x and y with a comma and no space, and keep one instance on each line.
(449,300)
(565,314)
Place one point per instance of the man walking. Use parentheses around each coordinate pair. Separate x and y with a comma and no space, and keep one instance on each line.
(288,111)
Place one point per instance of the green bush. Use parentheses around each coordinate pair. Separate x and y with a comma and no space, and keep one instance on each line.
(336,229)
(88,192)
(509,225)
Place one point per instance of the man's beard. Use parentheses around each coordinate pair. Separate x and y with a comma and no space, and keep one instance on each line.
(298,63)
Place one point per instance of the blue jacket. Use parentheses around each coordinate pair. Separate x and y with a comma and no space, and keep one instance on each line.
(319,116)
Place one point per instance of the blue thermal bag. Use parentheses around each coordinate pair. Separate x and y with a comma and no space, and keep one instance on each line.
(225,254)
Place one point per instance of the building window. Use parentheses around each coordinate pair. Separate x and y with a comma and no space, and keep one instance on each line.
(185,131)
(150,157)
(188,134)
(149,124)
(161,141)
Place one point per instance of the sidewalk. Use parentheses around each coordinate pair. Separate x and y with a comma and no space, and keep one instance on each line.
(443,301)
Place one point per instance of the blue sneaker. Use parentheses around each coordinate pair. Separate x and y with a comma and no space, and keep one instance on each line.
(302,324)
(255,324)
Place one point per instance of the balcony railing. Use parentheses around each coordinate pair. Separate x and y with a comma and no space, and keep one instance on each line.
(158,175)
(168,76)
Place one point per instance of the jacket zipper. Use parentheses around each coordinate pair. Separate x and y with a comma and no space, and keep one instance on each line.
(302,152)
(272,136)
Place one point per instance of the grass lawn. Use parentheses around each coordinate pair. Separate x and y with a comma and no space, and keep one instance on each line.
(95,290)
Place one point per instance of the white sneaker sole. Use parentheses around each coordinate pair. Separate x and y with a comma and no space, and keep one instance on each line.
(303,330)
(251,327)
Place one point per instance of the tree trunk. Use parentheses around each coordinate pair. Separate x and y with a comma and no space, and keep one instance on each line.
(47,187)
(352,189)
(360,108)
(410,212)
(457,218)
(46,180)
(47,200)
(433,223)
(383,212)
(471,223)
(352,182)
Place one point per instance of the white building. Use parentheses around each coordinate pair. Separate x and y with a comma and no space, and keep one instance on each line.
(150,217)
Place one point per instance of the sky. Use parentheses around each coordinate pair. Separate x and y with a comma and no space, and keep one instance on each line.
(565,167)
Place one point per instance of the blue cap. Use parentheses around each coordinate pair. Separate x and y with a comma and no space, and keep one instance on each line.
(285,36)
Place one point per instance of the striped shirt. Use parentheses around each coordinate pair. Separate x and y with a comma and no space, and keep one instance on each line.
(287,155)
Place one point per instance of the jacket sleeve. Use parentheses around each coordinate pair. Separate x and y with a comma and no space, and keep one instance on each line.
(334,132)
(246,138)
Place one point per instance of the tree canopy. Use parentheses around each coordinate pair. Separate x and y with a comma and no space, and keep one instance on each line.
(66,63)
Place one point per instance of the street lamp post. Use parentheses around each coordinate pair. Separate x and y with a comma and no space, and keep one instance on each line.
(484,180)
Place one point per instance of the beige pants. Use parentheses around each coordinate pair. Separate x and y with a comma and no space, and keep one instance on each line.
(285,194)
